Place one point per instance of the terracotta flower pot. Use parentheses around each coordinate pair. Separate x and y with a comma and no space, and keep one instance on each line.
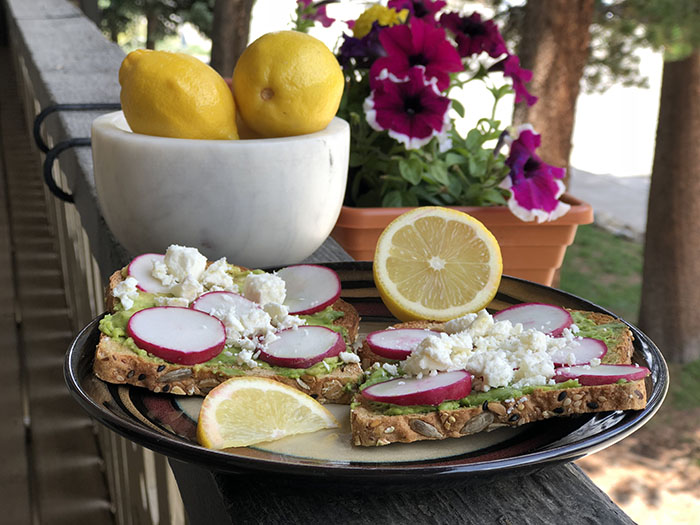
(530,250)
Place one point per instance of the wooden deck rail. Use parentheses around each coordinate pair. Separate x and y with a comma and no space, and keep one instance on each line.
(59,56)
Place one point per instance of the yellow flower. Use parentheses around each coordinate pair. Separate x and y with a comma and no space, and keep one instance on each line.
(378,13)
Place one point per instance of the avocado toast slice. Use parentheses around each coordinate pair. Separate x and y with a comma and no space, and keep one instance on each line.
(119,360)
(376,424)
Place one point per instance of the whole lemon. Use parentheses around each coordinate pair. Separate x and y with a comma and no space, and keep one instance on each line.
(287,83)
(175,95)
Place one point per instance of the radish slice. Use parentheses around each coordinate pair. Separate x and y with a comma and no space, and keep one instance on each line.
(547,318)
(310,288)
(583,349)
(429,390)
(398,343)
(600,375)
(220,304)
(303,346)
(176,334)
(141,269)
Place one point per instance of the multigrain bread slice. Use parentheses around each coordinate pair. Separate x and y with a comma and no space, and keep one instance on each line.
(116,363)
(372,427)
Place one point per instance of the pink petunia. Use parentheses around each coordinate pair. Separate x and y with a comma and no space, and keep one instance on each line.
(474,36)
(315,13)
(535,186)
(418,44)
(520,76)
(411,109)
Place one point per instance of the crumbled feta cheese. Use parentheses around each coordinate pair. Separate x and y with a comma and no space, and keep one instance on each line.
(245,357)
(497,353)
(264,288)
(595,361)
(390,369)
(349,357)
(215,276)
(126,292)
(184,262)
(188,289)
(280,318)
(160,272)
(574,328)
(172,301)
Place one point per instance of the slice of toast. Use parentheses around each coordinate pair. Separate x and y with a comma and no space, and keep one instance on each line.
(115,362)
(372,427)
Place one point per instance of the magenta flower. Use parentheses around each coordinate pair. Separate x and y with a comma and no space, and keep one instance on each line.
(418,44)
(418,8)
(411,109)
(535,187)
(314,13)
(512,69)
(474,36)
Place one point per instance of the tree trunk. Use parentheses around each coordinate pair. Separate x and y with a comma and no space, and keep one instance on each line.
(670,310)
(151,22)
(554,46)
(229,33)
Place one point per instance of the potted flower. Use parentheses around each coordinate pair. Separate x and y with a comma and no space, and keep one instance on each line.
(405,63)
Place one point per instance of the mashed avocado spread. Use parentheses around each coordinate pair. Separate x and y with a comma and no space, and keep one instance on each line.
(114,326)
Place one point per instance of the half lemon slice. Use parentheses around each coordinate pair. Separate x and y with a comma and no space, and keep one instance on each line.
(436,263)
(243,411)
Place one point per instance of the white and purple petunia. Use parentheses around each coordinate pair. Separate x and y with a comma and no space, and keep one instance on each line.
(411,108)
(535,186)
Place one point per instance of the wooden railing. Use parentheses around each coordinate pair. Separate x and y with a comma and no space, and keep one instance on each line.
(61,57)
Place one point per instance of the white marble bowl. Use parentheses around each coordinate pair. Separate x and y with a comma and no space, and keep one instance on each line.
(262,202)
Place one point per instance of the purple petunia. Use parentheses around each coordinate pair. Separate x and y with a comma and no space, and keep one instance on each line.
(363,50)
(418,44)
(425,9)
(474,36)
(520,76)
(411,109)
(535,187)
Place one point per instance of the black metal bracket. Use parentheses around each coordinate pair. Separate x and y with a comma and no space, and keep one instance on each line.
(52,153)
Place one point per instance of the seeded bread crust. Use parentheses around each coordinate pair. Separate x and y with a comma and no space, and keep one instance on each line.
(116,363)
(370,428)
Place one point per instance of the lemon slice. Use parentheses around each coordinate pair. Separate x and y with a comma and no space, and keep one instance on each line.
(436,263)
(243,411)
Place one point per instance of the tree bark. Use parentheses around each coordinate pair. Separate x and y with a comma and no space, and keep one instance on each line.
(554,46)
(670,309)
(230,31)
(151,22)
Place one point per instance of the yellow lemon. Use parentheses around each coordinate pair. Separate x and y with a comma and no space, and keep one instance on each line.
(175,95)
(436,263)
(287,83)
(247,410)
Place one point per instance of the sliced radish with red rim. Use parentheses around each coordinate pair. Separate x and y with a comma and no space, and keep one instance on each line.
(141,269)
(303,346)
(220,304)
(428,390)
(397,343)
(176,334)
(601,374)
(547,318)
(310,288)
(583,350)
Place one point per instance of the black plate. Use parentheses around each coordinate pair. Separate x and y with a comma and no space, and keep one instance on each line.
(158,422)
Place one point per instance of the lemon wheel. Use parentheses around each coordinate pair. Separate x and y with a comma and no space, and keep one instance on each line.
(436,263)
(247,410)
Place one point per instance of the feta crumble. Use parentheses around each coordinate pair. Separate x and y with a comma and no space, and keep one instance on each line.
(349,357)
(126,292)
(264,288)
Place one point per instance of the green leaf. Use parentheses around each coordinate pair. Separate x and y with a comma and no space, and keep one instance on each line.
(439,173)
(458,107)
(392,199)
(411,170)
(473,139)
(452,158)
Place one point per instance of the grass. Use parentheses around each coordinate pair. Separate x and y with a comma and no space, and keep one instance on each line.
(605,269)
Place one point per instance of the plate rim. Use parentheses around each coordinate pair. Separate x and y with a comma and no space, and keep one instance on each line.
(176,448)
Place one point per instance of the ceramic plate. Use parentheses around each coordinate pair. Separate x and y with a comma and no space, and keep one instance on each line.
(167,423)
